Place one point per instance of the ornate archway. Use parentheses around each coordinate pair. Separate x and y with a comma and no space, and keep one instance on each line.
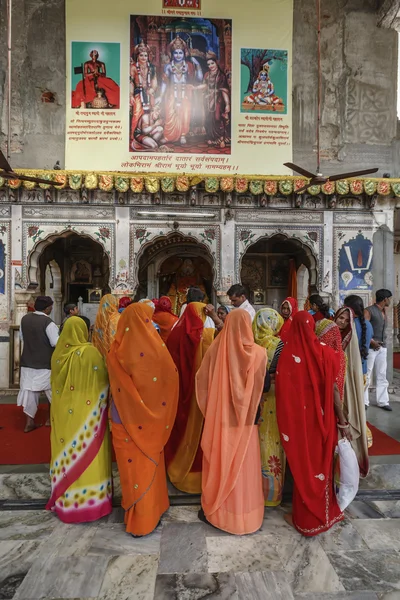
(276,266)
(33,258)
(160,261)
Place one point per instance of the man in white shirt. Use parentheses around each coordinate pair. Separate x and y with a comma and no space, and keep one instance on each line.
(39,335)
(237,296)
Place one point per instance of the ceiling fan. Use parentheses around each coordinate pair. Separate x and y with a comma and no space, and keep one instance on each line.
(319,179)
(6,172)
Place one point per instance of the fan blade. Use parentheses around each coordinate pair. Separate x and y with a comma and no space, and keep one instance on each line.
(303,189)
(299,170)
(8,175)
(4,166)
(353,174)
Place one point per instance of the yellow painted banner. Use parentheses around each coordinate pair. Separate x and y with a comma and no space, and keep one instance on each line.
(193,86)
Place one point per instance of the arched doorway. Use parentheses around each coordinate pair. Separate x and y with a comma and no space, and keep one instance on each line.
(170,264)
(276,267)
(70,267)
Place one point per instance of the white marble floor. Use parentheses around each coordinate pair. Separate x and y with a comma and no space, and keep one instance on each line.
(184,559)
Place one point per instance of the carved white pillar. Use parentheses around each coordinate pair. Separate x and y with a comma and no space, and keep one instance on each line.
(227,257)
(151,282)
(21,298)
(57,309)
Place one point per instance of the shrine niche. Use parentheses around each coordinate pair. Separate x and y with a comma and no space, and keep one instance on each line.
(172,264)
(81,272)
(276,267)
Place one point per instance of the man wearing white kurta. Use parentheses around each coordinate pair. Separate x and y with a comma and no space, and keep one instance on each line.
(39,335)
(237,296)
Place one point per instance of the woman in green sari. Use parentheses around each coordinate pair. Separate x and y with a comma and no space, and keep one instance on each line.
(266,327)
(80,467)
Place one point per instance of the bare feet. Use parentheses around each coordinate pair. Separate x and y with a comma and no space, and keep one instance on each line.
(289,519)
(30,425)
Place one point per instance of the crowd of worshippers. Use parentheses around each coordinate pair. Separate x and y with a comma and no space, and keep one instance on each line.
(215,401)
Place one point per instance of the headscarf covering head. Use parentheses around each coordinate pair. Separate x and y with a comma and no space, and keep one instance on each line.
(124,302)
(266,326)
(148,302)
(164,304)
(43,302)
(105,326)
(293,310)
(347,332)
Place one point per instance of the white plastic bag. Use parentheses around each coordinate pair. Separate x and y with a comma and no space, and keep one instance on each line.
(347,488)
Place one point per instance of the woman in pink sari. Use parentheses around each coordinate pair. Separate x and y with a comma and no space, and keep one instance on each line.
(229,385)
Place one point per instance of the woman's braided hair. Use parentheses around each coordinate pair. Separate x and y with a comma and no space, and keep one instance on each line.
(357,304)
(322,306)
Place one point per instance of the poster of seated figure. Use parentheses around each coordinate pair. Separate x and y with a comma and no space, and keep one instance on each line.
(197,87)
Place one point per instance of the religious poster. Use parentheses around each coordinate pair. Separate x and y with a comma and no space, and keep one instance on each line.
(193,86)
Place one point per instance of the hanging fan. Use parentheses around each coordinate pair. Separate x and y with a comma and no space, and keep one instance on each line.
(6,172)
(318,178)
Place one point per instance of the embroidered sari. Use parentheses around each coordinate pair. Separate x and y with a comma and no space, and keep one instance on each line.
(188,342)
(294,309)
(266,327)
(229,385)
(80,467)
(353,404)
(144,385)
(105,326)
(305,379)
(328,333)
(164,317)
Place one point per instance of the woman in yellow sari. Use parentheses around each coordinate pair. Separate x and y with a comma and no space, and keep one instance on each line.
(188,342)
(106,323)
(80,467)
(266,327)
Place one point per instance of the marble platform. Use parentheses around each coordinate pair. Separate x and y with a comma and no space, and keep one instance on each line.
(185,559)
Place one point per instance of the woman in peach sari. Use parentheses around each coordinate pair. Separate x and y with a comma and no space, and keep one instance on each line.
(188,343)
(164,317)
(105,326)
(144,384)
(229,386)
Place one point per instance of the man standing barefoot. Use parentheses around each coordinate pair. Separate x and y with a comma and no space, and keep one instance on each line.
(39,335)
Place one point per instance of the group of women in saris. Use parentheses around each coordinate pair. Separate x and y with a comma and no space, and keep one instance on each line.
(219,413)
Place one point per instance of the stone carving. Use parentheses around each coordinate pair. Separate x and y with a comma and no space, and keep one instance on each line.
(278,217)
(63,212)
(356,218)
(368,119)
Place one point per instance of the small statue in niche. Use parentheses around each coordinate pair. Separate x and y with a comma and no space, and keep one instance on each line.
(81,272)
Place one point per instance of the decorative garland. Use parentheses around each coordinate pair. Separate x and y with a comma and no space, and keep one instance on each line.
(152,182)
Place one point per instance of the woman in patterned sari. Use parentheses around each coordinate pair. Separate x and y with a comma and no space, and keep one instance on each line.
(106,323)
(309,413)
(266,327)
(353,404)
(188,342)
(144,385)
(80,467)
(329,334)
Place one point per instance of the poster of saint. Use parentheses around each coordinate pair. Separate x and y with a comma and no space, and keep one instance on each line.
(180,85)
(95,77)
(182,4)
(263,80)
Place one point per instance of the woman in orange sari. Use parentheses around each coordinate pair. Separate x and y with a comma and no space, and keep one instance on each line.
(188,343)
(229,386)
(164,317)
(144,384)
(105,326)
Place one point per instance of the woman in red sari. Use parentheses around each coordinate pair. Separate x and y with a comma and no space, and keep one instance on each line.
(164,317)
(188,342)
(289,308)
(307,400)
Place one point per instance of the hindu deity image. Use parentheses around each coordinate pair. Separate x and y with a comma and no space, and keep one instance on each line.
(263,91)
(95,90)
(143,87)
(182,67)
(181,75)
(189,273)
(217,103)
